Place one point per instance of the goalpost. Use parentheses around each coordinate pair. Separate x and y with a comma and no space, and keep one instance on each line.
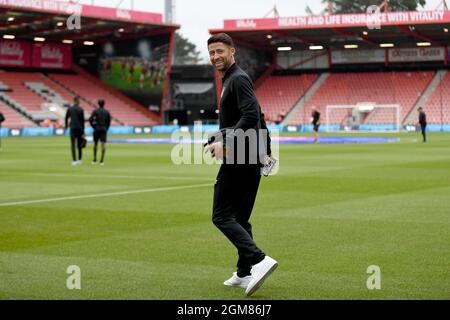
(357,118)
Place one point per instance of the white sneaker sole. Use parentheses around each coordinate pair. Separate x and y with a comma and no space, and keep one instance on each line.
(258,283)
(242,286)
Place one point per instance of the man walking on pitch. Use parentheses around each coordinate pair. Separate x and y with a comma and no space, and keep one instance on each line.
(100,120)
(76,116)
(2,119)
(237,184)
(315,115)
(423,123)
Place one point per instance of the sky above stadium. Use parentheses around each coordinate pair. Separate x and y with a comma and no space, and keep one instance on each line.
(197,16)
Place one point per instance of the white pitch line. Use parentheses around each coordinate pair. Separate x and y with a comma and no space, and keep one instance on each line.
(111,194)
(145,177)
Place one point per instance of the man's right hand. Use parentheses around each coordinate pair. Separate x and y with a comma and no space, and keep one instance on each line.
(217,150)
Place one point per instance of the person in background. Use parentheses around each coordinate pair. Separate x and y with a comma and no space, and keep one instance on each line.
(315,115)
(2,119)
(100,120)
(75,115)
(423,123)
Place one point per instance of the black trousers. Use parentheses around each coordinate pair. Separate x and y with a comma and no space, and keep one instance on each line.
(234,196)
(76,136)
(423,128)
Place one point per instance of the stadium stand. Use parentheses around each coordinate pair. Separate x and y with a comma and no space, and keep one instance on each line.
(27,99)
(438,106)
(278,94)
(28,91)
(91,92)
(63,96)
(403,88)
(407,87)
(13,118)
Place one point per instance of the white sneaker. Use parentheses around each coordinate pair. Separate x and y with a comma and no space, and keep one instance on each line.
(102,163)
(236,281)
(94,163)
(74,163)
(260,272)
(80,162)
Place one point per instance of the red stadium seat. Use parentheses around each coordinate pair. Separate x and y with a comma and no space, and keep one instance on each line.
(279,94)
(438,106)
(13,118)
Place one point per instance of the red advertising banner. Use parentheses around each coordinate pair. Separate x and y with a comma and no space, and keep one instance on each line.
(84,10)
(52,56)
(342,20)
(15,53)
(417,54)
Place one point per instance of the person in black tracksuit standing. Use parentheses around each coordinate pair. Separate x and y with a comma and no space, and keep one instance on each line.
(2,119)
(315,115)
(423,123)
(76,116)
(237,184)
(100,120)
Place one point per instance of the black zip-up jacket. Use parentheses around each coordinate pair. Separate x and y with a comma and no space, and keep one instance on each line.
(316,117)
(422,119)
(76,116)
(2,117)
(100,119)
(239,108)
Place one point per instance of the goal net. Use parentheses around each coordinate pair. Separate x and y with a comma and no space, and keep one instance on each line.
(369,117)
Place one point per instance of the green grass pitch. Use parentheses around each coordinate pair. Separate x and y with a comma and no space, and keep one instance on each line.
(330,213)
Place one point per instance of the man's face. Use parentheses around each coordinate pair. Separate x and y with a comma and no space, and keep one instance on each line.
(221,56)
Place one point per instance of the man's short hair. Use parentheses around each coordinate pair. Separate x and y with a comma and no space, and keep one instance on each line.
(221,37)
(101,103)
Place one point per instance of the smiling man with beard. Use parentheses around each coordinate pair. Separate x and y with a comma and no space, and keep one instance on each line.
(237,183)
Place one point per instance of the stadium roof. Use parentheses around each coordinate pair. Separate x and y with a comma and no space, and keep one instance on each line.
(403,29)
(26,19)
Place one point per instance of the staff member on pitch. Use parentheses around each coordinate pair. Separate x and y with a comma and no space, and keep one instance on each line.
(76,116)
(315,115)
(2,119)
(237,184)
(100,120)
(423,123)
